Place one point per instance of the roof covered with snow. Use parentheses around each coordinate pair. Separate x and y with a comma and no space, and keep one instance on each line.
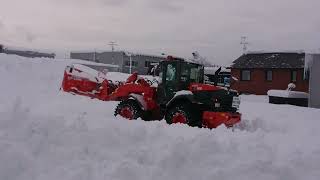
(284,60)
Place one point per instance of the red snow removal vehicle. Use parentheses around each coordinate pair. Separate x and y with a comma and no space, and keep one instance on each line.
(180,97)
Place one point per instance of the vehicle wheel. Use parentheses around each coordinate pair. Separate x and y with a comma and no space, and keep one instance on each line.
(184,114)
(128,109)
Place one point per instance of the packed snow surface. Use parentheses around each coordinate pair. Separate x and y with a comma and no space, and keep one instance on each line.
(46,134)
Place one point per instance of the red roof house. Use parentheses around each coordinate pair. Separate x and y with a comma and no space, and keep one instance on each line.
(256,73)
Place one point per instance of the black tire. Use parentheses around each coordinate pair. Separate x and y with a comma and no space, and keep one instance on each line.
(192,115)
(129,104)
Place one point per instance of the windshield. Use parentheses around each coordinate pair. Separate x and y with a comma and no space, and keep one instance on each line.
(191,73)
(171,73)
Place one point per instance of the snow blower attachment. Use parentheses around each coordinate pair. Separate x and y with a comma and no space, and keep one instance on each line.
(180,97)
(82,80)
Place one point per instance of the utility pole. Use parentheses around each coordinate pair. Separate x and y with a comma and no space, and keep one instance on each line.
(244,43)
(113,44)
(130,63)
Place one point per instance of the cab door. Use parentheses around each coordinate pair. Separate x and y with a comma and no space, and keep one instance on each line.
(169,81)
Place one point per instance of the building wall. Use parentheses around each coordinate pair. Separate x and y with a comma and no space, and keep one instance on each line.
(141,63)
(260,86)
(114,58)
(119,58)
(314,100)
(82,56)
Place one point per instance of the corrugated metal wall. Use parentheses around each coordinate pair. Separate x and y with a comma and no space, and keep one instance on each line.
(314,100)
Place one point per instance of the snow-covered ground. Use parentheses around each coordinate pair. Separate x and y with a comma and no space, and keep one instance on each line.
(46,134)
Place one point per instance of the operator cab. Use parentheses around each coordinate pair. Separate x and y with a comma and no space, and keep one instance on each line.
(176,74)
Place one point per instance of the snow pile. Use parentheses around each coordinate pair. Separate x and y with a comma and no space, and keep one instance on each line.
(197,58)
(81,71)
(287,94)
(48,134)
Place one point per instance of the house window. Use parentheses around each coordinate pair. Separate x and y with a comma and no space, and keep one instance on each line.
(134,63)
(294,76)
(245,75)
(269,75)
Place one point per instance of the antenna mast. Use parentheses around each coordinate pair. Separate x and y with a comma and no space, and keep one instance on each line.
(244,43)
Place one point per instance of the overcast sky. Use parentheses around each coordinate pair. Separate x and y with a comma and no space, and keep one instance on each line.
(212,27)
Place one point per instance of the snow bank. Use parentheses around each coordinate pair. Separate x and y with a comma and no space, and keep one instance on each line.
(48,134)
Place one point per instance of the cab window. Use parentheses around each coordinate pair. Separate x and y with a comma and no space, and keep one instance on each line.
(184,73)
(196,74)
(171,72)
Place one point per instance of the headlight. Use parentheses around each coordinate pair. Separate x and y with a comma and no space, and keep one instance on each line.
(216,103)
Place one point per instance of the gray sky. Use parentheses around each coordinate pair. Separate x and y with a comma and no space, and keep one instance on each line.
(212,27)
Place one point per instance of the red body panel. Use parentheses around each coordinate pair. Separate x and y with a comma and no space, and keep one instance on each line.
(215,119)
(148,93)
(202,87)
